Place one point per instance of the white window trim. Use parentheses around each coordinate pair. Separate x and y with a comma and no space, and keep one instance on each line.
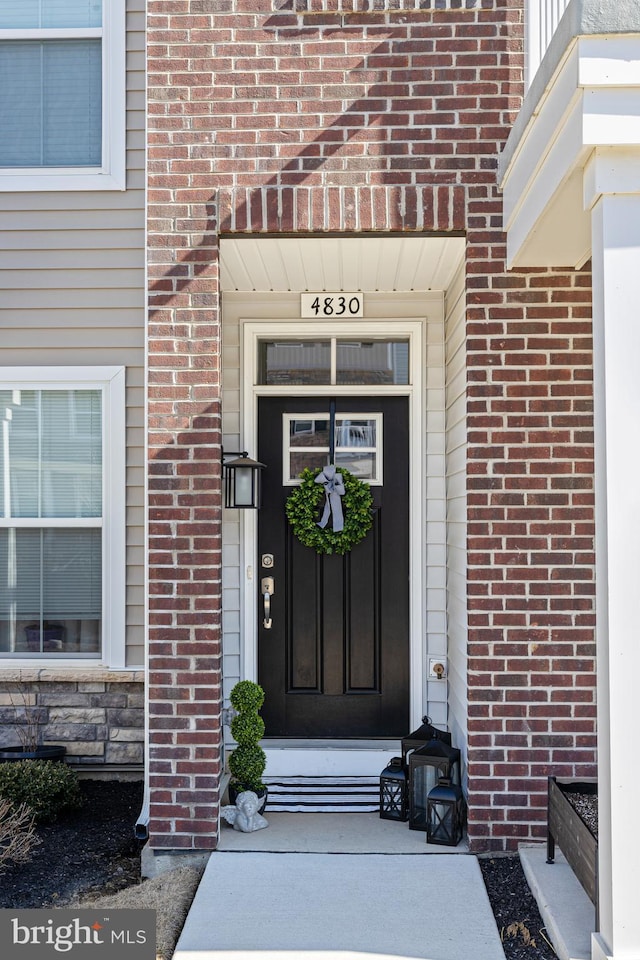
(111,381)
(111,175)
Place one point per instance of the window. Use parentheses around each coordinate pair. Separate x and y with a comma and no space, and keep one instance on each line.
(295,362)
(62,94)
(62,514)
(380,362)
(358,445)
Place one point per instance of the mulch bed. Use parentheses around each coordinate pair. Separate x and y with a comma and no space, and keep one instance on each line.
(515,909)
(92,851)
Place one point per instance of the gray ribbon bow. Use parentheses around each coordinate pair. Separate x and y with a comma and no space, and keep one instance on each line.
(334,489)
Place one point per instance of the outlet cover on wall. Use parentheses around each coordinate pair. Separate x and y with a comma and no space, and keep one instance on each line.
(437,668)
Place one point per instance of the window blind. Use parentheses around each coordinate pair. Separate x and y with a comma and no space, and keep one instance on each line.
(50,574)
(51,453)
(31,14)
(50,467)
(51,103)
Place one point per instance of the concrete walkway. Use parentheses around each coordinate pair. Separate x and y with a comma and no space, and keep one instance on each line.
(267,905)
(348,886)
(255,903)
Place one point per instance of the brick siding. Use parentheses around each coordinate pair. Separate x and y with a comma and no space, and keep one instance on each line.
(530,547)
(267,118)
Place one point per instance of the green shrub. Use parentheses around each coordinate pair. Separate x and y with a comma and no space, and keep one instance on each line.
(45,786)
(247,728)
(248,760)
(247,763)
(247,697)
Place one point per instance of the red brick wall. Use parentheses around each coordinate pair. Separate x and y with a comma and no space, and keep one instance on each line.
(265,119)
(184,444)
(530,540)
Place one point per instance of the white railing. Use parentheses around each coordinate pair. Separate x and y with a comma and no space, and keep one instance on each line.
(541,19)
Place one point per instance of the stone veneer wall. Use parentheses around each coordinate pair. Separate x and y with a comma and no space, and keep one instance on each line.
(97,715)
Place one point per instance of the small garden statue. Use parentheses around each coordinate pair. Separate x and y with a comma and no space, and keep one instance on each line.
(244,816)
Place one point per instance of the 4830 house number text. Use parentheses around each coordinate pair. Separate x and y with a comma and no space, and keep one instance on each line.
(338,304)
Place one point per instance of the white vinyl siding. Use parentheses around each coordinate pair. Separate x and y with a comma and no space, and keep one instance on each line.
(72,293)
(435,515)
(62,95)
(456,459)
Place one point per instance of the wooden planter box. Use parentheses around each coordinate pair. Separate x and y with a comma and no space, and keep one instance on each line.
(566,827)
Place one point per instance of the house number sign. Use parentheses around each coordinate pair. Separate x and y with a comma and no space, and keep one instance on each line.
(326,305)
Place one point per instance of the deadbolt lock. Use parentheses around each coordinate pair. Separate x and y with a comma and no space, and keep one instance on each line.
(267,559)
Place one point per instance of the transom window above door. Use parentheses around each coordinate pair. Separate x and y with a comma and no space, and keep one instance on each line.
(334,360)
(358,444)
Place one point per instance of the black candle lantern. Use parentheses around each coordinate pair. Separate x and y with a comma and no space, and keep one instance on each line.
(420,737)
(445,813)
(393,791)
(426,765)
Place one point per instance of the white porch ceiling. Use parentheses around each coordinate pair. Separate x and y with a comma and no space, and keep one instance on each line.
(366,263)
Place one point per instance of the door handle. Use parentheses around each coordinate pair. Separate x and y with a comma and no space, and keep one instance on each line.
(267,590)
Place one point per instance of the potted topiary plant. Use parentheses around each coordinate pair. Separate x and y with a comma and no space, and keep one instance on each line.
(248,760)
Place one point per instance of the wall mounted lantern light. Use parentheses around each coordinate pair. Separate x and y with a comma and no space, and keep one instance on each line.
(242,481)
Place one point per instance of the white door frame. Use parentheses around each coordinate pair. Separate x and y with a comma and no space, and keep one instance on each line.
(255,330)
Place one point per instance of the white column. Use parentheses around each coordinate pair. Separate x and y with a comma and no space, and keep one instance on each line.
(616,319)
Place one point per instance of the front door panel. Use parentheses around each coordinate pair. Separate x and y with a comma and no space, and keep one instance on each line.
(335,661)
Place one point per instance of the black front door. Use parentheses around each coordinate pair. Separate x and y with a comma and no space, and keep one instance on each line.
(335,661)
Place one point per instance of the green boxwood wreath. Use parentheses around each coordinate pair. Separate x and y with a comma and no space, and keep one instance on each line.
(304,508)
